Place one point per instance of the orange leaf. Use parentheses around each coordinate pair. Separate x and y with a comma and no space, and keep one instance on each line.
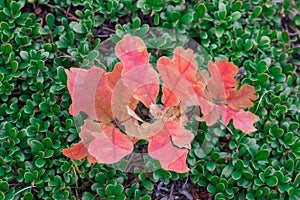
(242,120)
(132,52)
(242,98)
(162,148)
(78,152)
(90,93)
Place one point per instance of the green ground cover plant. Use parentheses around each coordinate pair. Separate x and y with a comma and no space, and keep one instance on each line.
(40,40)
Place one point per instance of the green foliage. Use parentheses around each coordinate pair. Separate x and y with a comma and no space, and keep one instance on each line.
(38,41)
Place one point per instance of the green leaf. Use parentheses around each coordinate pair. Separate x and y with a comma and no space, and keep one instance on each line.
(272,181)
(210,166)
(37,146)
(236,15)
(50,20)
(262,154)
(93,55)
(256,12)
(40,162)
(201,10)
(220,187)
(6,49)
(78,28)
(29,177)
(62,74)
(187,18)
(147,184)
(211,189)
(236,175)
(285,36)
(227,171)
(219,32)
(136,23)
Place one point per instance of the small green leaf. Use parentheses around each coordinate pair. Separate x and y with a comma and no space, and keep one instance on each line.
(285,36)
(78,28)
(93,55)
(227,171)
(211,189)
(6,49)
(262,154)
(201,10)
(256,12)
(236,15)
(272,181)
(219,32)
(210,166)
(50,20)
(37,146)
(187,18)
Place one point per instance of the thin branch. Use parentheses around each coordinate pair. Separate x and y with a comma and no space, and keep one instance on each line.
(64,11)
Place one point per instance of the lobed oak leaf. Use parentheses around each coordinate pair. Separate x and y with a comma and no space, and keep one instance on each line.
(168,97)
(222,79)
(105,142)
(170,156)
(242,98)
(227,71)
(78,152)
(183,61)
(175,82)
(144,86)
(242,120)
(90,93)
(114,76)
(132,52)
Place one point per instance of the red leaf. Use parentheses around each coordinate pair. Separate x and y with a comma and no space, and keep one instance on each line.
(78,152)
(132,52)
(242,98)
(177,84)
(114,76)
(183,62)
(105,142)
(90,93)
(143,83)
(227,71)
(222,79)
(168,97)
(162,148)
(242,120)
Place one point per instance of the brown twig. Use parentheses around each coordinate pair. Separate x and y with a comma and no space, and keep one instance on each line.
(63,10)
